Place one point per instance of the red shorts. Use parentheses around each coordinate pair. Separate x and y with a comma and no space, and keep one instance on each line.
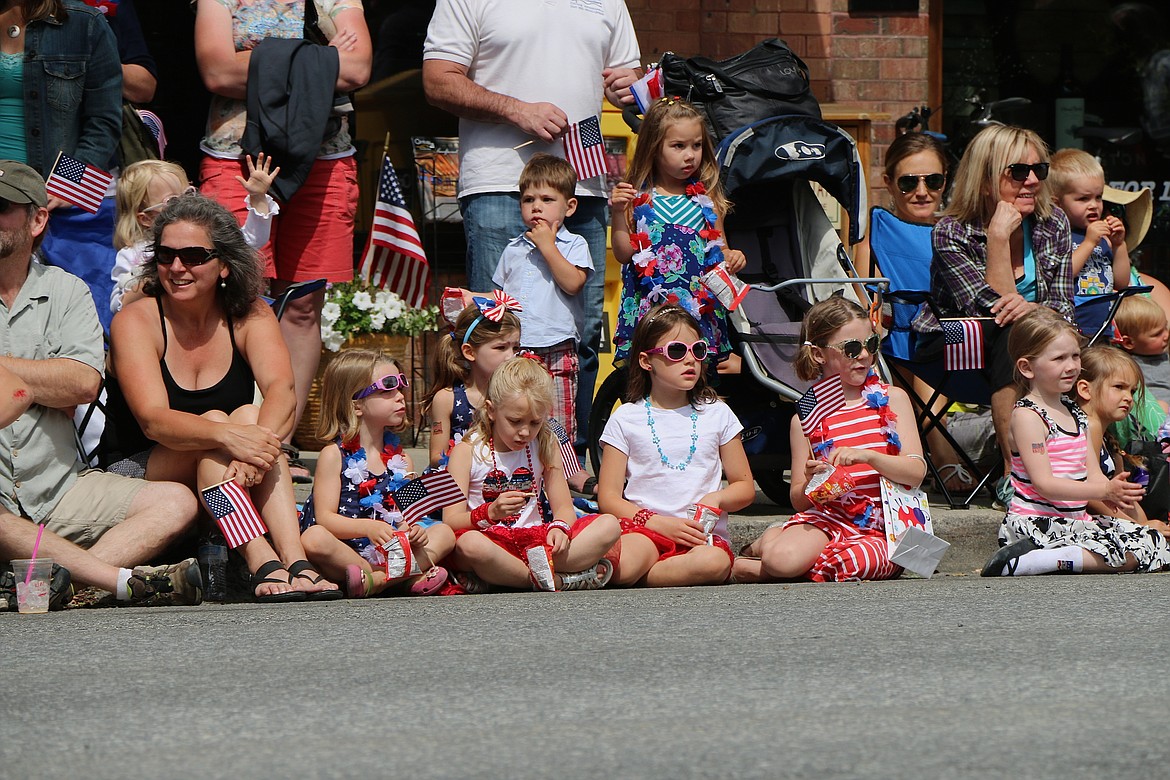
(312,236)
(516,540)
(667,547)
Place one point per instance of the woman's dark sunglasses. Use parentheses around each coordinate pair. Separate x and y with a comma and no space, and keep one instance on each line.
(190,256)
(1020,171)
(909,182)
(384,385)
(851,348)
(675,351)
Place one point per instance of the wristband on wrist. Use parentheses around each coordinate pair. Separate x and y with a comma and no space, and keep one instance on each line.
(641,517)
(561,524)
(479,516)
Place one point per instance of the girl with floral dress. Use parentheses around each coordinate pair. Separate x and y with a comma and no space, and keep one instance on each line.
(1055,472)
(667,222)
(841,538)
(351,512)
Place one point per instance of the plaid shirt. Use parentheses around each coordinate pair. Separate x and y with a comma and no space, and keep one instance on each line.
(958,270)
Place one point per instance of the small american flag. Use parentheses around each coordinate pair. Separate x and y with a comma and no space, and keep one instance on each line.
(818,402)
(394,257)
(424,495)
(568,454)
(234,512)
(78,183)
(963,345)
(584,148)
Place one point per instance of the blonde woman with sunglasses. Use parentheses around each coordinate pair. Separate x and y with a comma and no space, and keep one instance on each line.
(1001,249)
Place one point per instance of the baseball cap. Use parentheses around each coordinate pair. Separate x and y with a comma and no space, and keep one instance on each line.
(21,184)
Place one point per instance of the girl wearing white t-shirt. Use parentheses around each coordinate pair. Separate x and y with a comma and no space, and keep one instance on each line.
(667,450)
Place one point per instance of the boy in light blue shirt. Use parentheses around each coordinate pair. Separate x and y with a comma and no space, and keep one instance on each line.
(545,269)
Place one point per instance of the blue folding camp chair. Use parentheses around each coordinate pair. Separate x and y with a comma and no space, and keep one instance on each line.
(901,251)
(1095,313)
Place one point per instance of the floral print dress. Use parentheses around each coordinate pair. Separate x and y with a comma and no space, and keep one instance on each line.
(675,243)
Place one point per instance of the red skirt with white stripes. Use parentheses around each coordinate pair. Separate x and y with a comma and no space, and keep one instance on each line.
(852,553)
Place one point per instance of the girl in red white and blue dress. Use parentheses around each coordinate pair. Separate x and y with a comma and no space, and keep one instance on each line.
(351,511)
(842,538)
(665,452)
(667,220)
(507,457)
(1055,473)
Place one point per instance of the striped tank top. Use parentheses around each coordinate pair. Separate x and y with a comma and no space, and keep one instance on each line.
(1067,452)
(858,427)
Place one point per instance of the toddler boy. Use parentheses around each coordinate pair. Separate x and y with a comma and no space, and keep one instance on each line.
(1100,259)
(545,269)
(1142,332)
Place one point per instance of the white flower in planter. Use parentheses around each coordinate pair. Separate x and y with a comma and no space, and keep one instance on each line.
(362,300)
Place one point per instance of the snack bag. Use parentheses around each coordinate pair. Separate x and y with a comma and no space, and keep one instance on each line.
(828,484)
(725,286)
(708,518)
(395,557)
(540,566)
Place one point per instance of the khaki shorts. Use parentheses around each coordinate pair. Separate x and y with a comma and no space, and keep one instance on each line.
(97,502)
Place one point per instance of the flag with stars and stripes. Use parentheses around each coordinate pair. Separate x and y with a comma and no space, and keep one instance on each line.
(234,512)
(648,89)
(394,258)
(424,495)
(568,454)
(78,183)
(584,148)
(962,345)
(818,402)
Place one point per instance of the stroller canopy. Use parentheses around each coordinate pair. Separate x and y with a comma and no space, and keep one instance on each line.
(791,148)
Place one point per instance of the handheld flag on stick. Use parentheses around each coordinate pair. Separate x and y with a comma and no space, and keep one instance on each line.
(962,345)
(424,495)
(818,402)
(394,258)
(647,89)
(234,512)
(81,184)
(584,148)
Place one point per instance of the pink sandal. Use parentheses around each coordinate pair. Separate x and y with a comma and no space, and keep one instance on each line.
(432,581)
(357,586)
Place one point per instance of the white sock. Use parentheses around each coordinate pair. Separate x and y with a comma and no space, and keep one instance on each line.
(123,591)
(1062,559)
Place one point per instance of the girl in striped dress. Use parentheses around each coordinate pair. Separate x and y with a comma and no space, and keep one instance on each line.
(842,538)
(1055,474)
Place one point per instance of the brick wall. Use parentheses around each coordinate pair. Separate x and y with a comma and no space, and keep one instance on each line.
(875,63)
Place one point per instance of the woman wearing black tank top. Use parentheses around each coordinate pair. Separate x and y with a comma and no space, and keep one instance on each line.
(186,363)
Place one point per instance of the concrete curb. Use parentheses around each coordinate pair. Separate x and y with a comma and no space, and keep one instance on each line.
(971,532)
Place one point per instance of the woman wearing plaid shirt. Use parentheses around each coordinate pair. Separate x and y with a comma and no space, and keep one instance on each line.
(1001,250)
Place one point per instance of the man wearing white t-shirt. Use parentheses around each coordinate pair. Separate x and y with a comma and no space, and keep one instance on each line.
(516,71)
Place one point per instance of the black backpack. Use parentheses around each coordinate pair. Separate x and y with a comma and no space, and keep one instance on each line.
(767,80)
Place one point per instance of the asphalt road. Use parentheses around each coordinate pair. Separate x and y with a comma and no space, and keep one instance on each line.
(956,677)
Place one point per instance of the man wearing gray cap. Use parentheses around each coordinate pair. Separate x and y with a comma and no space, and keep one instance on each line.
(51,340)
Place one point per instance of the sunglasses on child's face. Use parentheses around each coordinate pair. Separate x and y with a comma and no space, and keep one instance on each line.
(675,351)
(386,384)
(190,256)
(1020,171)
(168,199)
(909,182)
(851,348)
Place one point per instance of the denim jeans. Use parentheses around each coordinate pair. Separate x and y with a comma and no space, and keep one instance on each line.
(491,220)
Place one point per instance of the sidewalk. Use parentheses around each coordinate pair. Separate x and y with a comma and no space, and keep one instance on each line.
(971,532)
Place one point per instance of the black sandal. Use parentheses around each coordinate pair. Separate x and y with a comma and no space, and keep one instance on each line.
(295,462)
(261,578)
(296,571)
(1007,559)
(588,489)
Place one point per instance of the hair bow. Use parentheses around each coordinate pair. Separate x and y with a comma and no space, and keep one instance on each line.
(494,308)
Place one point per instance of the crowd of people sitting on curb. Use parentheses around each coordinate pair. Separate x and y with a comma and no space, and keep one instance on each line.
(205,384)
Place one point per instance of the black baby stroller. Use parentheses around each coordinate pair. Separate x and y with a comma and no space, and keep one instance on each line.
(794,259)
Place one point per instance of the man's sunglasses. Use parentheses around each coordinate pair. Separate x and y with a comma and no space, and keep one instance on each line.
(1020,171)
(675,351)
(909,182)
(851,348)
(190,256)
(386,384)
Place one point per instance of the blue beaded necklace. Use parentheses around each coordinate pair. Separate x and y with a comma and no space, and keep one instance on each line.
(658,443)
